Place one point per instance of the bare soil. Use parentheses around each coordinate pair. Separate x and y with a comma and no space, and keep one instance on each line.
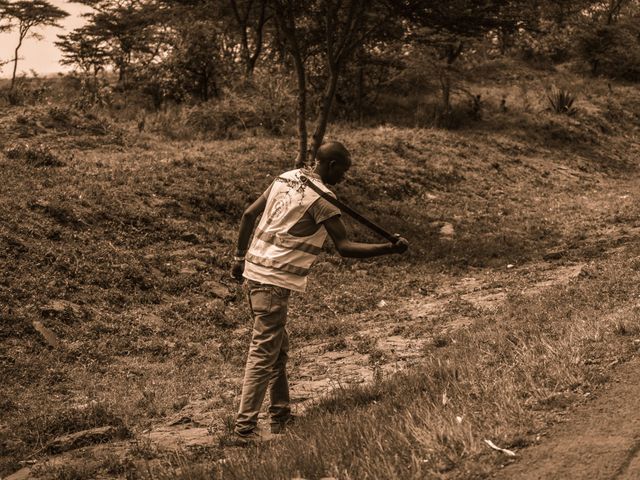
(598,440)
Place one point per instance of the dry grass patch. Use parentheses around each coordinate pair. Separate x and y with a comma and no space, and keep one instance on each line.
(503,379)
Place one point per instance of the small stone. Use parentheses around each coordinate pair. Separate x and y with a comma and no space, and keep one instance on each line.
(447,231)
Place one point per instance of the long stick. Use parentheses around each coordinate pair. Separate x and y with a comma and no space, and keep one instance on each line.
(350,211)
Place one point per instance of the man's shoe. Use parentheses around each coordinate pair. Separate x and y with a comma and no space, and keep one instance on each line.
(238,439)
(279,427)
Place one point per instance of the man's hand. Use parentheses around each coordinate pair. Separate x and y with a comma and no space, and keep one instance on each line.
(237,269)
(400,245)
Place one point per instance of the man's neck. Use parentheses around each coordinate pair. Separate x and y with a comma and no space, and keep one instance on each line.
(312,171)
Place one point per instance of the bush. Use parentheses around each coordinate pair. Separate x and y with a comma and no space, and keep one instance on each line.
(548,45)
(612,50)
(267,106)
(23,93)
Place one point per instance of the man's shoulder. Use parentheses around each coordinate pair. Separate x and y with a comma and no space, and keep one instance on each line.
(290,173)
(321,209)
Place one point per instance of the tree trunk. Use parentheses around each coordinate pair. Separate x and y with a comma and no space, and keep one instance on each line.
(15,64)
(205,85)
(325,111)
(445,84)
(287,26)
(360,87)
(504,40)
(301,159)
(253,58)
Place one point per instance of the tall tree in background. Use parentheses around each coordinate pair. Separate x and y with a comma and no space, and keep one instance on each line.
(201,48)
(288,14)
(84,48)
(332,30)
(5,20)
(448,28)
(128,30)
(5,24)
(251,17)
(27,15)
(347,26)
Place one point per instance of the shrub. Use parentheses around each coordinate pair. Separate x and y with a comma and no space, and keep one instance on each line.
(25,92)
(549,44)
(612,50)
(561,101)
(267,106)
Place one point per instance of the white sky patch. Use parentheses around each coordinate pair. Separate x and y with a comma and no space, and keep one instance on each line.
(42,56)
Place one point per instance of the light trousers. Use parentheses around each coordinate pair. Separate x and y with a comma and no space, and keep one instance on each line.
(266,367)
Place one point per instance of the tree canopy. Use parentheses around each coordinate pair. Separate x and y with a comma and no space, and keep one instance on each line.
(27,15)
(195,50)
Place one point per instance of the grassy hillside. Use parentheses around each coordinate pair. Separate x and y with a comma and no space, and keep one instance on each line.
(119,241)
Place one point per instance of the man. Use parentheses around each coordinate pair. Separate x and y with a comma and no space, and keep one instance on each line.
(294,225)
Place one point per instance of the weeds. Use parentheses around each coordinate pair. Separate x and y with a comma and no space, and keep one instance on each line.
(488,384)
(256,109)
(561,101)
(37,430)
(35,155)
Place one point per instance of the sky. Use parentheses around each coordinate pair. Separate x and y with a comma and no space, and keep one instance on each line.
(42,56)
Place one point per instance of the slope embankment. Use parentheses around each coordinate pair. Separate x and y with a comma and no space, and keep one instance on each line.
(516,303)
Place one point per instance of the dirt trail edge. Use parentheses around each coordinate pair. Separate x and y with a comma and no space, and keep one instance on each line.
(599,440)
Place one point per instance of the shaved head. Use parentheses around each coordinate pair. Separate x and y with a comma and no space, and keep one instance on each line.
(334,151)
(332,162)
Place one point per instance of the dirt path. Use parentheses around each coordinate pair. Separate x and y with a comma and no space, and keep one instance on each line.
(598,440)
(381,347)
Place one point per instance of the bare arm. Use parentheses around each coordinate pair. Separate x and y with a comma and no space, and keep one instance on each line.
(348,248)
(247,223)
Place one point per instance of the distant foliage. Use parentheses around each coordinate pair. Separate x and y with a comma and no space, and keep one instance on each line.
(612,50)
(561,101)
(94,92)
(24,92)
(551,44)
(265,106)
